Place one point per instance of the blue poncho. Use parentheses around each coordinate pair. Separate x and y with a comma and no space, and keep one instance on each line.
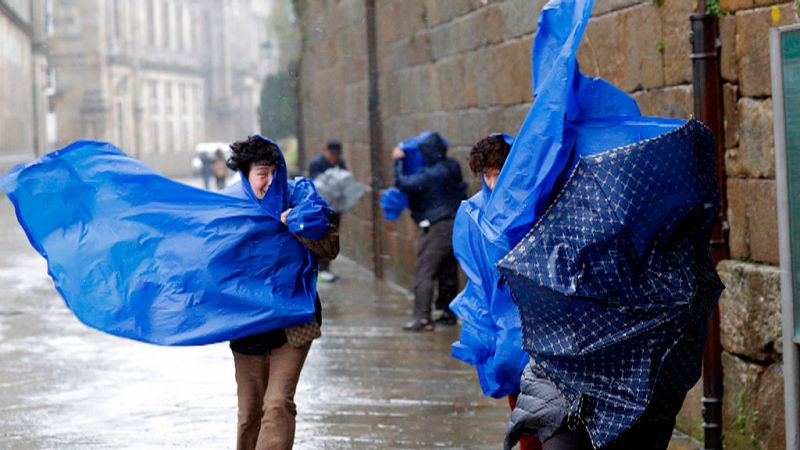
(394,201)
(140,256)
(572,115)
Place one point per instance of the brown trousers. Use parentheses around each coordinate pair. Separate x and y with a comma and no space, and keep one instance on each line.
(266,385)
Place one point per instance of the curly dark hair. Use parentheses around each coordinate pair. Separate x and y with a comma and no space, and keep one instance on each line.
(254,150)
(489,153)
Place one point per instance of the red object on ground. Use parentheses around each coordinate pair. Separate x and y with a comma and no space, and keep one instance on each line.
(527,442)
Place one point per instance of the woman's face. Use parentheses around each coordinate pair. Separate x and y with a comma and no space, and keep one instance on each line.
(490,177)
(260,178)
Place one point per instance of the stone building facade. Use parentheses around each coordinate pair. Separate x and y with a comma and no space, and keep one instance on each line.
(23,68)
(462,67)
(156,77)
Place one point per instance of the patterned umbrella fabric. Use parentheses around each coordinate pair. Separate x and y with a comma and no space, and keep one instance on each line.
(615,283)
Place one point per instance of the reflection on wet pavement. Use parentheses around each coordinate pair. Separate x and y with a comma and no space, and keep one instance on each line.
(366,384)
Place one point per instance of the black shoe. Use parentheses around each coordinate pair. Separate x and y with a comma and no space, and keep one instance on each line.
(419,325)
(447,319)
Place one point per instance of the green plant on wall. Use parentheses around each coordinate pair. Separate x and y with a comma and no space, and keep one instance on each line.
(660,46)
(744,439)
(713,7)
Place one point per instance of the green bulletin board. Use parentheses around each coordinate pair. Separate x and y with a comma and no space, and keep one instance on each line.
(790,68)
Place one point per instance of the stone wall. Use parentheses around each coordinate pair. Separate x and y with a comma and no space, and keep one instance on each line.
(462,67)
(334,96)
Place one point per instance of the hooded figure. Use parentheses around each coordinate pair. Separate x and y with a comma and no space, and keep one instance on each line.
(434,193)
(437,189)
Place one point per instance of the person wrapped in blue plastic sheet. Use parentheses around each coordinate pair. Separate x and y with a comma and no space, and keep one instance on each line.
(393,200)
(568,108)
(572,118)
(137,255)
(498,366)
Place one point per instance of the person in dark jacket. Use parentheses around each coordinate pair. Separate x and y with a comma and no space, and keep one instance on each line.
(331,157)
(434,195)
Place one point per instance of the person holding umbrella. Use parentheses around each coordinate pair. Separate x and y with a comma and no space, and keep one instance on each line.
(610,269)
(330,158)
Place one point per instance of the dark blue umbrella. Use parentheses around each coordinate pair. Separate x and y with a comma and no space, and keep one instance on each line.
(615,283)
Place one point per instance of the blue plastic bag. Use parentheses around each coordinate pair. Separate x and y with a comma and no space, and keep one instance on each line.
(137,255)
(394,201)
(572,115)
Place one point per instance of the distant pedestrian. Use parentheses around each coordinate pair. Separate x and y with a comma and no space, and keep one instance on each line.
(331,157)
(434,195)
(220,169)
(268,364)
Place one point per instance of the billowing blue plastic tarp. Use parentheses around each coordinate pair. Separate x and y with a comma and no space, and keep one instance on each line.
(137,255)
(394,201)
(572,115)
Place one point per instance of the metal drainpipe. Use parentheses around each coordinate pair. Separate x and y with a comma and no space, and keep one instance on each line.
(375,138)
(707,82)
(294,71)
(36,46)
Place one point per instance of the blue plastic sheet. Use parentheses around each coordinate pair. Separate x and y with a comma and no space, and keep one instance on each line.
(140,256)
(572,115)
(393,203)
(393,200)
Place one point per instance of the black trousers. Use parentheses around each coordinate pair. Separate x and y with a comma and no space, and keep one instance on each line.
(436,263)
(564,439)
(336,219)
(643,436)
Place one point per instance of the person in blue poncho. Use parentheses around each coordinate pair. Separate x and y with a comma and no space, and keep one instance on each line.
(268,364)
(434,194)
(486,160)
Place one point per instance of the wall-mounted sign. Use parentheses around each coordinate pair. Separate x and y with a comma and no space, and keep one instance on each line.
(786,92)
(785,64)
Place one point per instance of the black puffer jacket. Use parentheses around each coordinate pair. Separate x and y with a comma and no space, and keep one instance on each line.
(436,191)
